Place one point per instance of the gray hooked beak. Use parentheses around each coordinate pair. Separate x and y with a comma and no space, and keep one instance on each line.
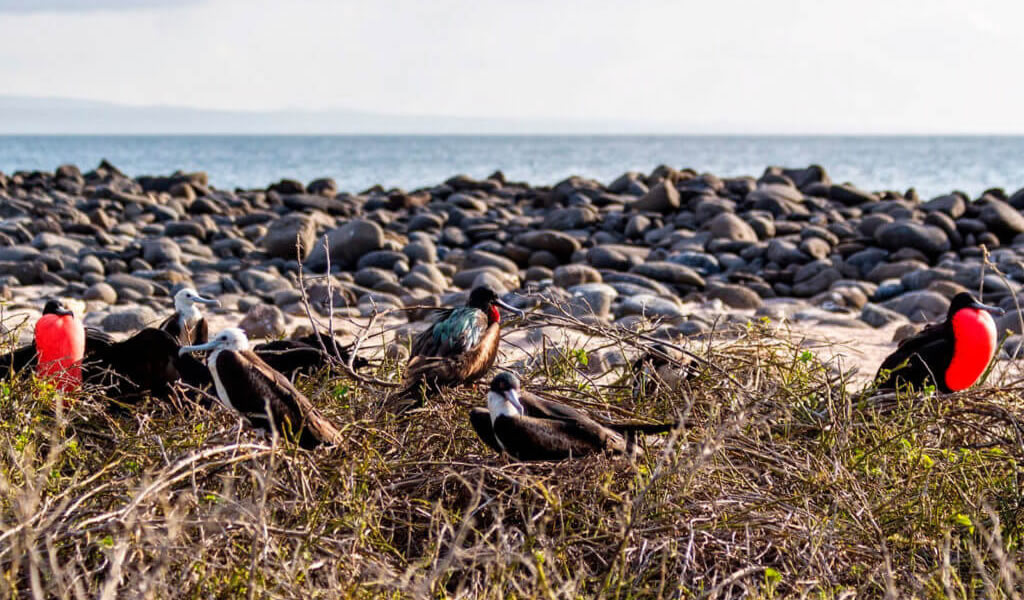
(208,301)
(513,397)
(197,348)
(512,309)
(987,307)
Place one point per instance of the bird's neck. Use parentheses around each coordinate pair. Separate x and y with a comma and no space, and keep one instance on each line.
(500,406)
(189,315)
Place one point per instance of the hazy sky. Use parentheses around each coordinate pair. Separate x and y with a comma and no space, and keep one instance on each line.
(898,66)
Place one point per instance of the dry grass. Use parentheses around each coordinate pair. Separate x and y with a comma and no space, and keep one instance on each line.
(780,484)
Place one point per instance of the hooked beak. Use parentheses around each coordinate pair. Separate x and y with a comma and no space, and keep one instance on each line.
(62,311)
(513,397)
(197,348)
(207,301)
(989,308)
(508,307)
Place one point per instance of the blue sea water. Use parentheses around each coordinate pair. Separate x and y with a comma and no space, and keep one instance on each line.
(933,165)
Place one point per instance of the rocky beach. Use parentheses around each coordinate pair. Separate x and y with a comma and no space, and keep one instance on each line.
(786,289)
(675,251)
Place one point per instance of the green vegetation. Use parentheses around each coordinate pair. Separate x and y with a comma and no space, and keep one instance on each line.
(780,484)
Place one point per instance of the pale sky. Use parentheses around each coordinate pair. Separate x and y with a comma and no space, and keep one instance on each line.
(738,66)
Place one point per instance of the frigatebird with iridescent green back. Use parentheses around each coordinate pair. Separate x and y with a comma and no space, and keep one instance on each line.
(460,345)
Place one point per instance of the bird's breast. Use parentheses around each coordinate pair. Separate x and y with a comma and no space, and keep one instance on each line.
(974,334)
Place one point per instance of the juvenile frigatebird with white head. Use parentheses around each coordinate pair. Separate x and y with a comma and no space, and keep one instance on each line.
(528,427)
(264,397)
(187,325)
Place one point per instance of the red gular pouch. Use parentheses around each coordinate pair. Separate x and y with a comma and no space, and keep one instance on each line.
(975,334)
(60,344)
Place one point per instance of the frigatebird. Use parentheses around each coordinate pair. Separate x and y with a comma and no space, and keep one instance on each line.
(952,354)
(187,325)
(262,396)
(531,428)
(145,363)
(460,345)
(60,346)
(305,354)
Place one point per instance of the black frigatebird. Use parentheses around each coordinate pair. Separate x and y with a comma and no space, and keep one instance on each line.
(187,325)
(952,354)
(305,354)
(460,345)
(531,428)
(262,396)
(147,363)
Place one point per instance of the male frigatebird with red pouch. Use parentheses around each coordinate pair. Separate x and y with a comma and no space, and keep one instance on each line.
(952,354)
(60,344)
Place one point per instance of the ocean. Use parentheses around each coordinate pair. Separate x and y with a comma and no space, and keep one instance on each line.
(933,165)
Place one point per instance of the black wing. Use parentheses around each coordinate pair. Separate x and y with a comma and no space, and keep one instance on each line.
(927,355)
(146,363)
(19,359)
(254,387)
(528,438)
(480,418)
(289,357)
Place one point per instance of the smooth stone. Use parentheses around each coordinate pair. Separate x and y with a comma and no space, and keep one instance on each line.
(729,226)
(668,272)
(290,237)
(481,258)
(421,252)
(663,198)
(879,316)
(160,251)
(592,299)
(90,263)
(888,289)
(346,245)
(704,264)
(922,306)
(733,295)
(129,320)
(566,276)
(263,321)
(1002,219)
(382,259)
(894,270)
(651,306)
(902,234)
(122,282)
(103,292)
(575,217)
(556,242)
(263,283)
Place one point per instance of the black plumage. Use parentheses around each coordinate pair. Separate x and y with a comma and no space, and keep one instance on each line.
(925,358)
(528,427)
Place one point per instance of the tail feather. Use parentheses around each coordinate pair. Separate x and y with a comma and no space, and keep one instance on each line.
(644,428)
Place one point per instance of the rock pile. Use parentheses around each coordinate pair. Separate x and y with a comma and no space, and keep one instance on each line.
(641,246)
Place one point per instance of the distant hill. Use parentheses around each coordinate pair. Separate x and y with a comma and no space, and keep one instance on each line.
(27,115)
